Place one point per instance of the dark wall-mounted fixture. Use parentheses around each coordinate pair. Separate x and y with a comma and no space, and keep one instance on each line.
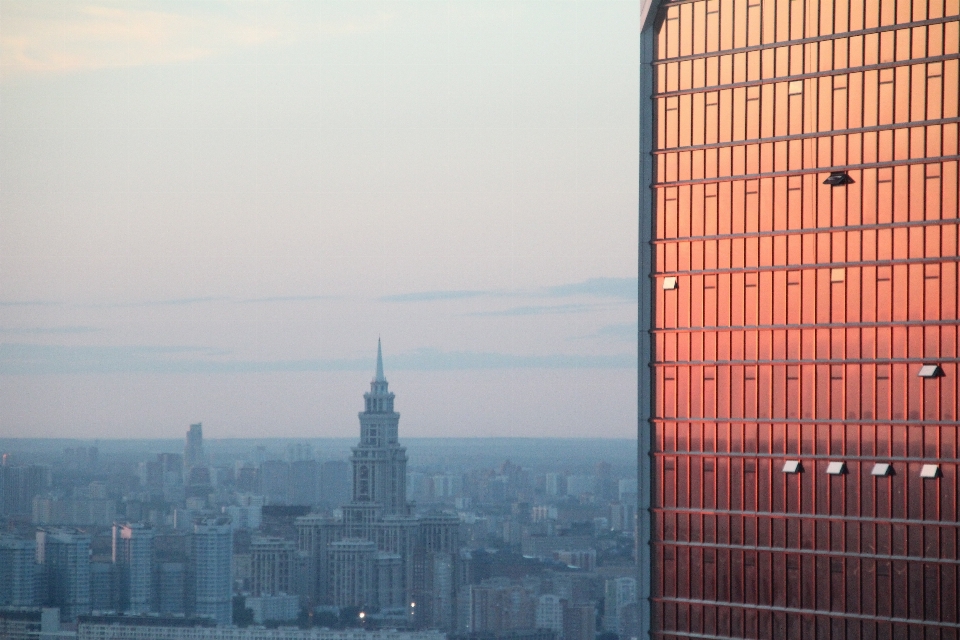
(838,179)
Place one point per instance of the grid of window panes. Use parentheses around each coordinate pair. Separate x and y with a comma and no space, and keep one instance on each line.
(792,319)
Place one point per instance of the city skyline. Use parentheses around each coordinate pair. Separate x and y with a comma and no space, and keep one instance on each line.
(210,211)
(134,538)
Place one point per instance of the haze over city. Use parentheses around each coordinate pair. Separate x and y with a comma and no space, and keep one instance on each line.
(211,211)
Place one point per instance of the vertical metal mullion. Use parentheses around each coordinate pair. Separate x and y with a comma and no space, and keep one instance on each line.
(646,484)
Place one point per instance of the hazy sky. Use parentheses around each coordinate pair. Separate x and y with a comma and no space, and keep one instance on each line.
(209,211)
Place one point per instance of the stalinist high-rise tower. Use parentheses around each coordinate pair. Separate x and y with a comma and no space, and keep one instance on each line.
(379,462)
(381,555)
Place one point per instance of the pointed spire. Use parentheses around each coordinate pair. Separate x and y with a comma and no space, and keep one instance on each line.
(379,377)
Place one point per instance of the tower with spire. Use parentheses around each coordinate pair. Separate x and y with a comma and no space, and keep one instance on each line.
(379,462)
(380,554)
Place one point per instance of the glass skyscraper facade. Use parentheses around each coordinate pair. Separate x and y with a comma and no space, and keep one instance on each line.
(799,330)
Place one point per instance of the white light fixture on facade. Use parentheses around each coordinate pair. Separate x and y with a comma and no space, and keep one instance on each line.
(670,283)
(836,468)
(882,469)
(930,471)
(792,466)
(930,371)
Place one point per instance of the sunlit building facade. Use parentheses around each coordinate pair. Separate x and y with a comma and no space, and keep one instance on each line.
(798,323)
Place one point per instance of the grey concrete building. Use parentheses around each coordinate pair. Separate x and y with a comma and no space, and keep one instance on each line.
(64,556)
(133,558)
(18,572)
(212,543)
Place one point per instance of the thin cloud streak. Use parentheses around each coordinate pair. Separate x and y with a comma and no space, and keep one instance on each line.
(167,302)
(75,37)
(618,288)
(154,303)
(317,298)
(431,296)
(29,359)
(29,303)
(625,288)
(626,332)
(539,310)
(434,359)
(40,40)
(49,330)
(20,359)
(602,287)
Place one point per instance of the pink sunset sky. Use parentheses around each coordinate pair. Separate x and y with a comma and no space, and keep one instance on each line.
(210,211)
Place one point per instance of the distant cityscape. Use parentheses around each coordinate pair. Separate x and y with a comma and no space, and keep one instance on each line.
(251,535)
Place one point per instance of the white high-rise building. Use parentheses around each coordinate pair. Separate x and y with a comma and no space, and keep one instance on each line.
(133,558)
(618,593)
(213,567)
(550,613)
(18,572)
(556,484)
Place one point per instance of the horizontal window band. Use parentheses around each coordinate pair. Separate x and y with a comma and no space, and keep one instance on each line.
(812,170)
(811,267)
(838,422)
(805,552)
(807,76)
(825,613)
(750,363)
(685,635)
(811,325)
(750,328)
(747,455)
(827,422)
(806,136)
(773,515)
(880,226)
(801,41)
